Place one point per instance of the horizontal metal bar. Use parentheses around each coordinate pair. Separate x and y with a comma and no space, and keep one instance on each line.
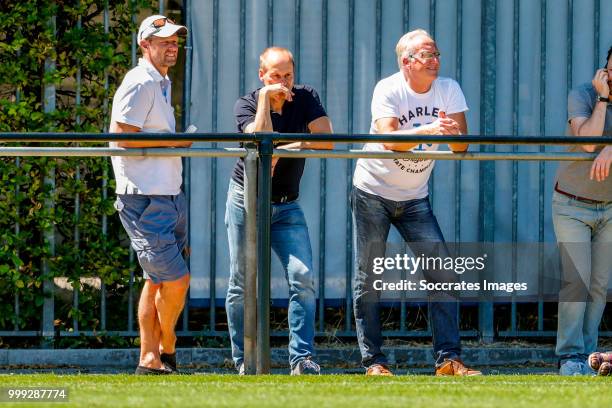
(440,139)
(386,333)
(437,155)
(390,333)
(240,152)
(543,333)
(45,137)
(530,333)
(296,137)
(91,333)
(20,333)
(106,151)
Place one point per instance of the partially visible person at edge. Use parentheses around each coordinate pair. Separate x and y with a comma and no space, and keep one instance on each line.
(582,217)
(150,202)
(279,106)
(413,101)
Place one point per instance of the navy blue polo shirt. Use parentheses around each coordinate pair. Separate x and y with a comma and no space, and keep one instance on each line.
(294,118)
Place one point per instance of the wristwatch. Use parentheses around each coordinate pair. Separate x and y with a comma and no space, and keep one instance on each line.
(603,99)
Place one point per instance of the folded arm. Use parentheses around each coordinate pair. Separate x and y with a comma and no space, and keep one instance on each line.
(118,127)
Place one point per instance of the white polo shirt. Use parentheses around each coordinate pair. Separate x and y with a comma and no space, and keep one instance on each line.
(405,179)
(143,100)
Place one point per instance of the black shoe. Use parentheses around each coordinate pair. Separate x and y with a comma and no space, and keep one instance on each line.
(140,370)
(169,361)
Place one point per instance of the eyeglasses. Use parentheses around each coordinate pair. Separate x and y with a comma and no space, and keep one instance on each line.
(426,55)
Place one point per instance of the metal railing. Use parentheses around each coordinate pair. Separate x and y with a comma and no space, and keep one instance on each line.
(258,158)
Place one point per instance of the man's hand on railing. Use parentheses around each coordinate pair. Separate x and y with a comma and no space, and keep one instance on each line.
(600,170)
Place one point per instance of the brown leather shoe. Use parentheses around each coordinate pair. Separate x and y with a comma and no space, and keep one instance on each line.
(379,369)
(597,359)
(455,367)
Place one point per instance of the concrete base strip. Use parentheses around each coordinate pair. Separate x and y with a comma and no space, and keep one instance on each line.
(221,357)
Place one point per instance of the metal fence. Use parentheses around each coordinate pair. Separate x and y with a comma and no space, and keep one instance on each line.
(259,259)
(347,47)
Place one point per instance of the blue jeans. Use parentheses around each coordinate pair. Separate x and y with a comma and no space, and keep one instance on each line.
(415,221)
(584,235)
(291,243)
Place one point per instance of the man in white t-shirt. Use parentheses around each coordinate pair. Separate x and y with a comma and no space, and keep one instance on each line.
(394,191)
(150,202)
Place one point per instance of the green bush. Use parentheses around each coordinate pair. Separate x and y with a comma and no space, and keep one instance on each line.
(28,41)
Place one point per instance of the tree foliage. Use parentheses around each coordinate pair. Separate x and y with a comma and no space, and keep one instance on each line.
(52,43)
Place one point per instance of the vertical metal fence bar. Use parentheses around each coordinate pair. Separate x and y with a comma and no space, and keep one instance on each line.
(541,165)
(432,182)
(378,51)
(134,46)
(250,282)
(323,175)
(77,197)
(130,324)
(515,107)
(17,227)
(432,18)
(264,216)
(105,171)
(570,36)
(186,123)
(132,262)
(349,169)
(270,27)
(242,78)
(432,30)
(161,6)
(49,100)
(406,15)
(213,173)
(457,164)
(296,38)
(403,308)
(17,232)
(487,169)
(596,39)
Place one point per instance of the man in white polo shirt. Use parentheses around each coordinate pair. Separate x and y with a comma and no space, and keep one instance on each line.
(150,202)
(412,101)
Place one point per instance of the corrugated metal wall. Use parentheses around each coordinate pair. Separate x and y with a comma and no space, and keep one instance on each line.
(515,61)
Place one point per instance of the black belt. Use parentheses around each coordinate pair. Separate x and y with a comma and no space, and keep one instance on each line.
(287,198)
(578,198)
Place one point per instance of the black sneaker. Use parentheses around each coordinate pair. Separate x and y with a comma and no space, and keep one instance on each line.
(169,361)
(141,370)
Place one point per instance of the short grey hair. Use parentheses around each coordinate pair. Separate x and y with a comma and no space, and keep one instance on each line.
(264,56)
(405,45)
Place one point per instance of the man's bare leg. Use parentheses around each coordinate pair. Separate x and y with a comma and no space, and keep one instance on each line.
(169,302)
(150,329)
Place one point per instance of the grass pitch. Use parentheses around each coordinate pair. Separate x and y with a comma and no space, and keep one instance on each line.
(316,392)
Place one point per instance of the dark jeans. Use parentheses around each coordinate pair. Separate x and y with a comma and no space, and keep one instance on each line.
(415,221)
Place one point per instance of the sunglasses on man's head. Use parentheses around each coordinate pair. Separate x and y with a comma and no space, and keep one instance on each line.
(160,22)
(157,25)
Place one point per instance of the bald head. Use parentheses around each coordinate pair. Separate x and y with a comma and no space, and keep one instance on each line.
(273,56)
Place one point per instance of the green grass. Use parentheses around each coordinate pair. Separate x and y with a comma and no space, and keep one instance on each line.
(317,392)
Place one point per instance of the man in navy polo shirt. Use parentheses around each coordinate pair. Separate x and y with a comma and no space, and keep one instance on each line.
(283,107)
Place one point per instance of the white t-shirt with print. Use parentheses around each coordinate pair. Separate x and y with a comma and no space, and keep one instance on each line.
(405,179)
(143,100)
